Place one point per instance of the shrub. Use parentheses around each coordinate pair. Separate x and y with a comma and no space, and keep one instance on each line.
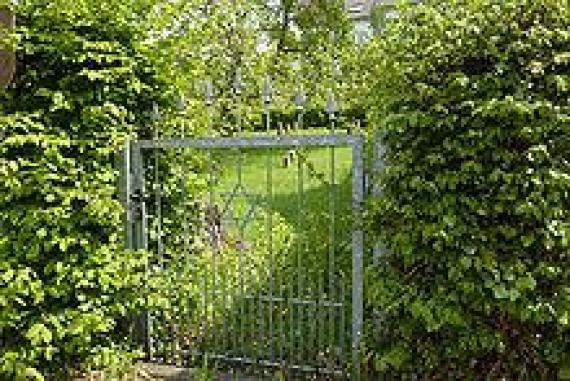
(471,102)
(82,86)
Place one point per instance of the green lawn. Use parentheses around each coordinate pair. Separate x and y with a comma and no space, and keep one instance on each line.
(256,175)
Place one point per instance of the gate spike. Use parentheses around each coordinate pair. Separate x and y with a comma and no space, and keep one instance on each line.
(238,84)
(209,93)
(331,107)
(266,91)
(180,103)
(336,69)
(300,99)
(155,113)
(332,36)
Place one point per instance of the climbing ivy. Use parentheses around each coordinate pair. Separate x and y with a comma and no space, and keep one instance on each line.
(471,102)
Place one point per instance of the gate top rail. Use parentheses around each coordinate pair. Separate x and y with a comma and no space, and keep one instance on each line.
(252,142)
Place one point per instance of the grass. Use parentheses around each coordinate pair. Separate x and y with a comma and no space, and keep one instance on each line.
(285,178)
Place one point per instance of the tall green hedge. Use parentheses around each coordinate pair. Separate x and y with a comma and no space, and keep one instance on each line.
(471,101)
(82,86)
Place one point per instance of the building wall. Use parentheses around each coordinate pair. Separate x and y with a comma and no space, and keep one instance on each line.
(361,9)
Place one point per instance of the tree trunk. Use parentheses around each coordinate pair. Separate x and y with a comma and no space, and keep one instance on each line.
(7,57)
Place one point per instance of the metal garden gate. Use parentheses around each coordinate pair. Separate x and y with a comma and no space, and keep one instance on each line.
(262,262)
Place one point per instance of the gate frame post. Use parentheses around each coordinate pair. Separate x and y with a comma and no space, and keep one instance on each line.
(125,185)
(136,228)
(357,254)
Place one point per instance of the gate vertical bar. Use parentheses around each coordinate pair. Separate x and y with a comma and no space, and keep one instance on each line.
(127,176)
(211,215)
(162,337)
(298,343)
(300,248)
(357,254)
(239,338)
(139,236)
(128,203)
(331,111)
(269,184)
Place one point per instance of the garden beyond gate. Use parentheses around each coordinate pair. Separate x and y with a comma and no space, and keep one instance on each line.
(264,260)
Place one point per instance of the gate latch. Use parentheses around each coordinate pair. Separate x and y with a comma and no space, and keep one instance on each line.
(137,198)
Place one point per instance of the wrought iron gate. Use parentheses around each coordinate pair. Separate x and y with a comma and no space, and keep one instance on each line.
(264,260)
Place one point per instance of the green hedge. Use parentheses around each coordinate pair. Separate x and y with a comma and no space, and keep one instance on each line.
(471,101)
(66,282)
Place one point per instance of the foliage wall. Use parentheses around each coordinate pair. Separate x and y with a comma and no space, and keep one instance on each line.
(475,211)
(82,86)
(89,73)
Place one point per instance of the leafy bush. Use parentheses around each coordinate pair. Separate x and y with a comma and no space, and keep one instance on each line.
(82,87)
(471,101)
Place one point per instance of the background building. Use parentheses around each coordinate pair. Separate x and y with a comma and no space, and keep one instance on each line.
(369,15)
